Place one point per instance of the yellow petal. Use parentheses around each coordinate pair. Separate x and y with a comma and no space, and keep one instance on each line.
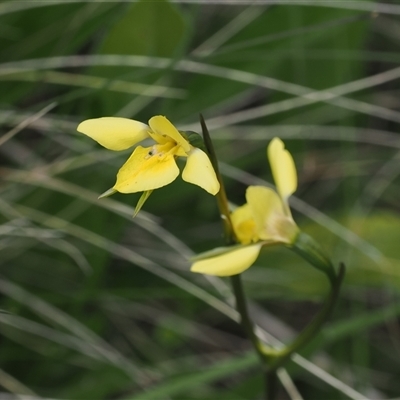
(272,221)
(114,133)
(214,252)
(200,172)
(230,263)
(144,171)
(265,205)
(244,225)
(163,127)
(283,168)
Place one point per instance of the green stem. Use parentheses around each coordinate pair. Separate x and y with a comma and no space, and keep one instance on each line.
(271,382)
(230,238)
(273,359)
(222,199)
(264,353)
(314,327)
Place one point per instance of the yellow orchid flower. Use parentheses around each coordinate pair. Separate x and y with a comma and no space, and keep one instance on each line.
(151,167)
(264,219)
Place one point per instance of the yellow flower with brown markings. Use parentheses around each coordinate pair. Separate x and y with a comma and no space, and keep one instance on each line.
(152,167)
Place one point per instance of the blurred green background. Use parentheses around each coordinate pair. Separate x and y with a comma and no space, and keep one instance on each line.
(97,305)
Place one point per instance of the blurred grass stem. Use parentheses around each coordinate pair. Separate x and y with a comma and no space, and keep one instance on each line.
(221,196)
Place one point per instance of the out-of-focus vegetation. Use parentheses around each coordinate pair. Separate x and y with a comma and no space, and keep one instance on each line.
(97,305)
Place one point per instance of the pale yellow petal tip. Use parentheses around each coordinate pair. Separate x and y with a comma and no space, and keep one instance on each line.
(274,148)
(199,171)
(276,142)
(230,263)
(283,168)
(212,186)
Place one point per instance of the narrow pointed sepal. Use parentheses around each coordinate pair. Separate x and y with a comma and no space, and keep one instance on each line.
(107,193)
(143,198)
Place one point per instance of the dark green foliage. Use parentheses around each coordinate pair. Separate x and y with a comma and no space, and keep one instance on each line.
(97,305)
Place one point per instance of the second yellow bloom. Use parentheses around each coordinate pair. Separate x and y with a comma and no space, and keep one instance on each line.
(264,219)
